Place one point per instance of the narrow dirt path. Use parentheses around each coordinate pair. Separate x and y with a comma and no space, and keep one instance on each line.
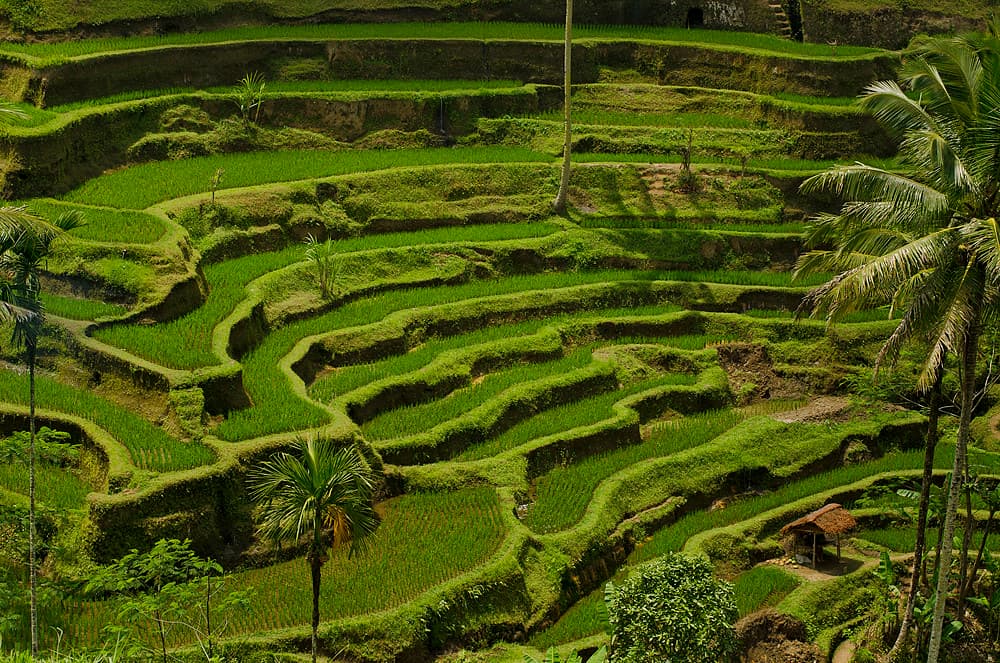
(844,652)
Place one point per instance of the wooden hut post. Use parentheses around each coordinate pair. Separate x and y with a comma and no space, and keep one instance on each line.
(838,547)
(814,550)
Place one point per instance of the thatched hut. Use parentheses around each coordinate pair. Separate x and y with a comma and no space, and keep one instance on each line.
(830,521)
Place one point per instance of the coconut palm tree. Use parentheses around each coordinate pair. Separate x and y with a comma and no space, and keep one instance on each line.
(559,204)
(25,242)
(924,239)
(322,494)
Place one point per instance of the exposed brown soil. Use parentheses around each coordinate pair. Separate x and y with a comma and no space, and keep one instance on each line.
(752,376)
(768,636)
(660,178)
(783,651)
(824,408)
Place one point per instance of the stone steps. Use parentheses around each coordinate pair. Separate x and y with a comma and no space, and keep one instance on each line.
(781,18)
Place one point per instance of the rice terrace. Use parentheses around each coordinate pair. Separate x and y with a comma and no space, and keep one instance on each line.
(379,331)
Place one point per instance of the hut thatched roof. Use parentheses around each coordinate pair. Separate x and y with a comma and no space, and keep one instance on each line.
(831,519)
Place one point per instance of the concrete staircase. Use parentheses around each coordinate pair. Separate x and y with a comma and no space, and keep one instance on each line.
(781,18)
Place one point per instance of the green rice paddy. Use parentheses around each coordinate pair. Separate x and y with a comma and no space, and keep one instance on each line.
(495,30)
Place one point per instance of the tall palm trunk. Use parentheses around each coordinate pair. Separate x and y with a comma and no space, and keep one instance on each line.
(930,444)
(970,348)
(32,544)
(315,566)
(559,205)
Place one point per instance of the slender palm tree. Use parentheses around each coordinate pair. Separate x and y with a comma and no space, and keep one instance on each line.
(15,223)
(559,204)
(25,242)
(924,239)
(322,494)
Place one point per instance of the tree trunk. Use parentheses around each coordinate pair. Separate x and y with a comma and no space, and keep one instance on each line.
(979,555)
(930,444)
(966,543)
(315,566)
(315,563)
(940,536)
(32,534)
(559,205)
(163,634)
(968,358)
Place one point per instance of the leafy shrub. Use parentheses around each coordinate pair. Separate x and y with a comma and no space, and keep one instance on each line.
(672,609)
(23,14)
(51,446)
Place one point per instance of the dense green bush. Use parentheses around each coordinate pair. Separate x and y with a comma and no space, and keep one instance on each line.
(672,609)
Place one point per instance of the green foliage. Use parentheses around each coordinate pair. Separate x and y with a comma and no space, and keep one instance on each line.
(186,342)
(75,308)
(277,408)
(324,269)
(23,14)
(421,417)
(673,537)
(427,570)
(248,95)
(169,587)
(51,446)
(323,495)
(105,224)
(672,609)
(58,482)
(564,493)
(14,524)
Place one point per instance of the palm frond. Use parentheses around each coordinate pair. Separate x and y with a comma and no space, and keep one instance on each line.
(15,221)
(936,155)
(860,182)
(894,110)
(317,484)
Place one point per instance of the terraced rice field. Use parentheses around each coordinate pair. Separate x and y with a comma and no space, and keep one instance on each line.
(530,385)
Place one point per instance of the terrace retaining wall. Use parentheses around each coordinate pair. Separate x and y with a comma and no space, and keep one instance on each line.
(883,27)
(208,65)
(53,162)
